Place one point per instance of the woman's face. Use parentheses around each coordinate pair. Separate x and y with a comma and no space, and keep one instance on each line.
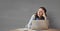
(40,12)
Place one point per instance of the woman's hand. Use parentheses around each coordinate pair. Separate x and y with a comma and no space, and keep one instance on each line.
(44,15)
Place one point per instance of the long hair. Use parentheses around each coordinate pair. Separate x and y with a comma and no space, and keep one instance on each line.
(36,15)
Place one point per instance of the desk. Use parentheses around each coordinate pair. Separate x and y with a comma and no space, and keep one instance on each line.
(25,29)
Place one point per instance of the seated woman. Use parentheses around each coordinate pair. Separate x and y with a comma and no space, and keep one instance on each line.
(39,15)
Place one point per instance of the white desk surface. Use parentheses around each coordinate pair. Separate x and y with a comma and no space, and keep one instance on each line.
(25,29)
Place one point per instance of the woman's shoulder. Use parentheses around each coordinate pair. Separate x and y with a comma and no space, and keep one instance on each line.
(34,15)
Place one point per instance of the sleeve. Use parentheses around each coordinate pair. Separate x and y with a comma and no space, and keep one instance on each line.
(47,20)
(30,21)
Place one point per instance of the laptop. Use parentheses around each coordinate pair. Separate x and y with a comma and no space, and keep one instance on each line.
(39,24)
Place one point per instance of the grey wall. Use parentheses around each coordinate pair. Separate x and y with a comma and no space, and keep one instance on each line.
(16,13)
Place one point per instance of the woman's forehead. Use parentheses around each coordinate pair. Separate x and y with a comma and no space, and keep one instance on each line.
(40,9)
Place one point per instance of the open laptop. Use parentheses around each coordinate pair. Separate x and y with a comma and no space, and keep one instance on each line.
(39,24)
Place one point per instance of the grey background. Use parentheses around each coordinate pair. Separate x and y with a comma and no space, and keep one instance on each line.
(16,13)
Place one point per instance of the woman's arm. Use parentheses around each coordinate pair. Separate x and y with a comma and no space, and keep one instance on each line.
(46,19)
(30,21)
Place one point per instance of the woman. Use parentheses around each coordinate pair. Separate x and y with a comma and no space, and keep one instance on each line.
(40,15)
